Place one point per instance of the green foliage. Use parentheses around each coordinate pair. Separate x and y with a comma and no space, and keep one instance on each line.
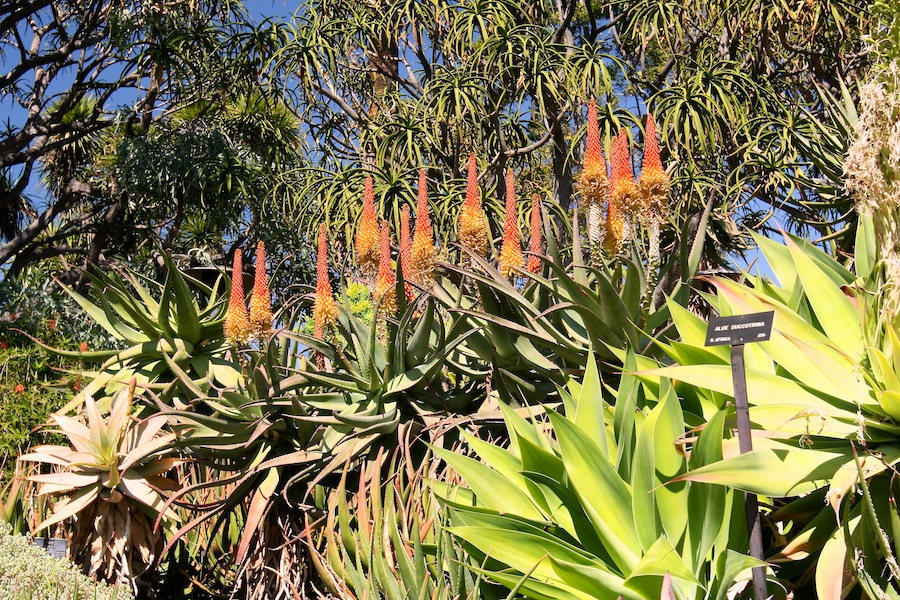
(388,539)
(24,409)
(164,329)
(822,397)
(29,573)
(359,298)
(592,510)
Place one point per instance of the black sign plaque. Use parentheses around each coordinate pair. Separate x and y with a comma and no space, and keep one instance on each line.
(742,329)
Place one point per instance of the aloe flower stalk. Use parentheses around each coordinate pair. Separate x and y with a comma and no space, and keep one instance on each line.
(473,233)
(593,182)
(325,311)
(237,322)
(405,254)
(653,189)
(511,251)
(624,192)
(612,239)
(260,298)
(535,245)
(367,235)
(386,283)
(423,253)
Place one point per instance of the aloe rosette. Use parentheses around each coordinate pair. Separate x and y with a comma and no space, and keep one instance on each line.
(111,481)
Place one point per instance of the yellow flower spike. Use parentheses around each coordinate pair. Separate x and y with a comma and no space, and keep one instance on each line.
(653,189)
(536,244)
(623,190)
(593,182)
(325,311)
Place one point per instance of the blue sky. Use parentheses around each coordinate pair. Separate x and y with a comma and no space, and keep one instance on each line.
(258,11)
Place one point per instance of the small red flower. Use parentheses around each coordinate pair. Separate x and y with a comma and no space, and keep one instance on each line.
(77,384)
(4,345)
(20,389)
(83,347)
(51,324)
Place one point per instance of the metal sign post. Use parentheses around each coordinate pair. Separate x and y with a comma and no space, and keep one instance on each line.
(735,332)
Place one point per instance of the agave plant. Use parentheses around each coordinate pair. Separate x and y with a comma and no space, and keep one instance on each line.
(824,406)
(583,506)
(112,481)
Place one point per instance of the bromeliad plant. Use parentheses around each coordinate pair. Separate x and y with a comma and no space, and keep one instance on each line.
(583,506)
(112,481)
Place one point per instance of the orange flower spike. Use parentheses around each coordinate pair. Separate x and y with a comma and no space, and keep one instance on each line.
(653,189)
(536,243)
(593,182)
(652,161)
(423,253)
(511,251)
(237,322)
(624,191)
(423,209)
(367,235)
(325,311)
(473,233)
(385,284)
(653,186)
(405,254)
(612,240)
(260,299)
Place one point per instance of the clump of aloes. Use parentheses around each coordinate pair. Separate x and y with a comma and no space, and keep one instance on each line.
(111,481)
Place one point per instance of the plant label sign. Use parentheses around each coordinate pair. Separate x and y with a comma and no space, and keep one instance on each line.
(742,329)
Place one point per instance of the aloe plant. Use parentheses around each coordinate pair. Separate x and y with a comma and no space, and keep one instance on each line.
(387,537)
(590,510)
(160,325)
(529,331)
(112,481)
